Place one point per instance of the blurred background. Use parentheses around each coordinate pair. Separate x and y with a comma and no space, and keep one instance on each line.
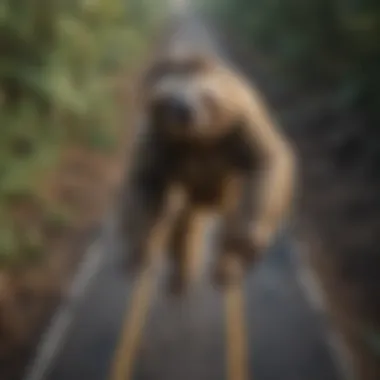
(68,71)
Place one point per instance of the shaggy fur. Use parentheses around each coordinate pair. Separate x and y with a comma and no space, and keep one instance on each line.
(231,158)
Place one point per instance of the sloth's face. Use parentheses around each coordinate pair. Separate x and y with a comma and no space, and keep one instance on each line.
(190,103)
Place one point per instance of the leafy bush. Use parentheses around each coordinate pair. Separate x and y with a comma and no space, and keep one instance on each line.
(57,61)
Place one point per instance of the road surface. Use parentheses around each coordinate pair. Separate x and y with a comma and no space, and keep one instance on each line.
(183,339)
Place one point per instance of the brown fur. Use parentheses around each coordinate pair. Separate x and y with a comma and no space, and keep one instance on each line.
(233,159)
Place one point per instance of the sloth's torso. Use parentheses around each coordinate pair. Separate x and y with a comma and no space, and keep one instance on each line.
(202,170)
(202,176)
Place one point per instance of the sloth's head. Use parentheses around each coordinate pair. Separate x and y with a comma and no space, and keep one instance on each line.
(187,96)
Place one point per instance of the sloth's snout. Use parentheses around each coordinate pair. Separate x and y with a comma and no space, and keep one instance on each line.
(172,110)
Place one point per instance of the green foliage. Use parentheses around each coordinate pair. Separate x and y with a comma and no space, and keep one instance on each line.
(330,41)
(57,61)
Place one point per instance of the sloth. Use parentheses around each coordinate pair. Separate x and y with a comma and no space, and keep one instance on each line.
(207,133)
